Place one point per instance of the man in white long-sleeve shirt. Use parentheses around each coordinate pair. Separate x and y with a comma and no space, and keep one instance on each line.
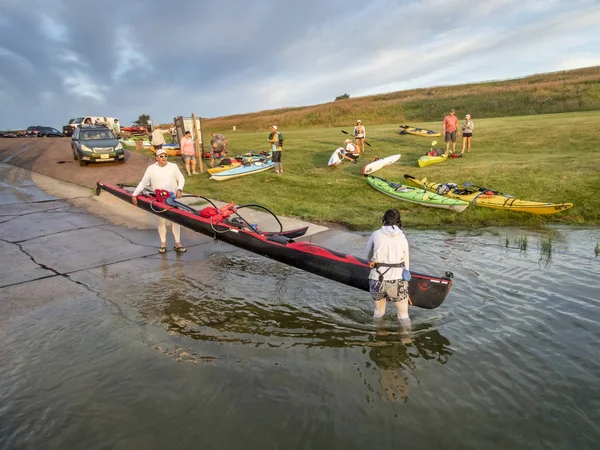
(388,250)
(167,176)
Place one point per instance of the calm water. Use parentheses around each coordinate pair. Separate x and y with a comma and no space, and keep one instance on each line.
(238,351)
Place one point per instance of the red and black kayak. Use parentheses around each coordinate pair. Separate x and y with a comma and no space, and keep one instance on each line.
(425,291)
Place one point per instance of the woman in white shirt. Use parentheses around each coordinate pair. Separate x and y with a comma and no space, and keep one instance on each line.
(467,133)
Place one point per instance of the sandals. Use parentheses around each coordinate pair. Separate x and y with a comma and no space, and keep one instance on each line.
(180,249)
(162,250)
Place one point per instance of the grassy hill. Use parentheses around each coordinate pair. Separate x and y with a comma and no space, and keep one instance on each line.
(567,91)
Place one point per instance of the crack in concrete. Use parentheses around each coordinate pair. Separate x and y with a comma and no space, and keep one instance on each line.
(56,232)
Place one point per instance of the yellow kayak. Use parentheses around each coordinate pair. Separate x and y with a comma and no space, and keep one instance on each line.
(428,160)
(487,198)
(223,167)
(171,150)
(407,129)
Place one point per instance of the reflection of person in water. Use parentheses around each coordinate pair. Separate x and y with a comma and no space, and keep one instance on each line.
(395,358)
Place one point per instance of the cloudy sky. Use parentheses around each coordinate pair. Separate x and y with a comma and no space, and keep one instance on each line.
(65,58)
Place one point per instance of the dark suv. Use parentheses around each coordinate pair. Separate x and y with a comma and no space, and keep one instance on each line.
(48,132)
(96,144)
(32,131)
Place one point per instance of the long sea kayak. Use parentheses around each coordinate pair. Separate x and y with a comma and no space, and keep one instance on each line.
(488,198)
(407,129)
(425,291)
(416,195)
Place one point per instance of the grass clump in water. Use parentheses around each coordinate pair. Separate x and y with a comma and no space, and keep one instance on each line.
(546,247)
(597,249)
(521,243)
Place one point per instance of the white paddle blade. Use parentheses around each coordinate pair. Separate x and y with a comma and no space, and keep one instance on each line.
(433,143)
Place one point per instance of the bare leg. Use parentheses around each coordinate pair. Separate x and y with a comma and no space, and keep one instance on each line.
(187,167)
(447,146)
(403,310)
(468,144)
(379,308)
(464,143)
(193,163)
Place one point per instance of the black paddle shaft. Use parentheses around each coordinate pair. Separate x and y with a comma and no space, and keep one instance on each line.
(345,132)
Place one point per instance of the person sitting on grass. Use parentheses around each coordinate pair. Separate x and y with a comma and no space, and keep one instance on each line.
(352,151)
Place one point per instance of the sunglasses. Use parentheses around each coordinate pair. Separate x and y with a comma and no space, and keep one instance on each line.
(162,156)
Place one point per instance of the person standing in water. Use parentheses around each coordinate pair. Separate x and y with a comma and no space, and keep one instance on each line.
(387,250)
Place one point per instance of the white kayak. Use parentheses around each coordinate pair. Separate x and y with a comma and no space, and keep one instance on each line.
(337,157)
(246,169)
(380,164)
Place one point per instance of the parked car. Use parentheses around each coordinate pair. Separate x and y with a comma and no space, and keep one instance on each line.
(32,131)
(92,144)
(48,132)
(73,123)
(8,134)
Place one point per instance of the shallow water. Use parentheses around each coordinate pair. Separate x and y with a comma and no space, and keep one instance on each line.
(237,351)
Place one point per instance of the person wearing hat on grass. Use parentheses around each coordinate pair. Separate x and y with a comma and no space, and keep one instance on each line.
(276,141)
(449,130)
(163,175)
(467,133)
(360,134)
(352,153)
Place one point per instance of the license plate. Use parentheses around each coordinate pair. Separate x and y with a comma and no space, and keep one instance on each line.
(104,156)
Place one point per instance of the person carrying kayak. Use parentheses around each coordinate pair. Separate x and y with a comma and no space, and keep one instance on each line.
(387,250)
(163,175)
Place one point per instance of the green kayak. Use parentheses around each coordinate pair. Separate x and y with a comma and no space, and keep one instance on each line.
(415,195)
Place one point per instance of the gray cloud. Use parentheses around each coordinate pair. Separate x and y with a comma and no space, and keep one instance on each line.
(63,58)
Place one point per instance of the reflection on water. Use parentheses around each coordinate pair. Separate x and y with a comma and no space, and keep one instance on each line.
(234,341)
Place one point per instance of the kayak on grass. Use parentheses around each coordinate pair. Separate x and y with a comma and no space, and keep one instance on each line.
(247,168)
(416,195)
(225,164)
(170,149)
(380,163)
(407,129)
(425,291)
(487,198)
(428,160)
(338,157)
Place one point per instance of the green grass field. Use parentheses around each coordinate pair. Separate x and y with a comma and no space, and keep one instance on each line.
(550,158)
